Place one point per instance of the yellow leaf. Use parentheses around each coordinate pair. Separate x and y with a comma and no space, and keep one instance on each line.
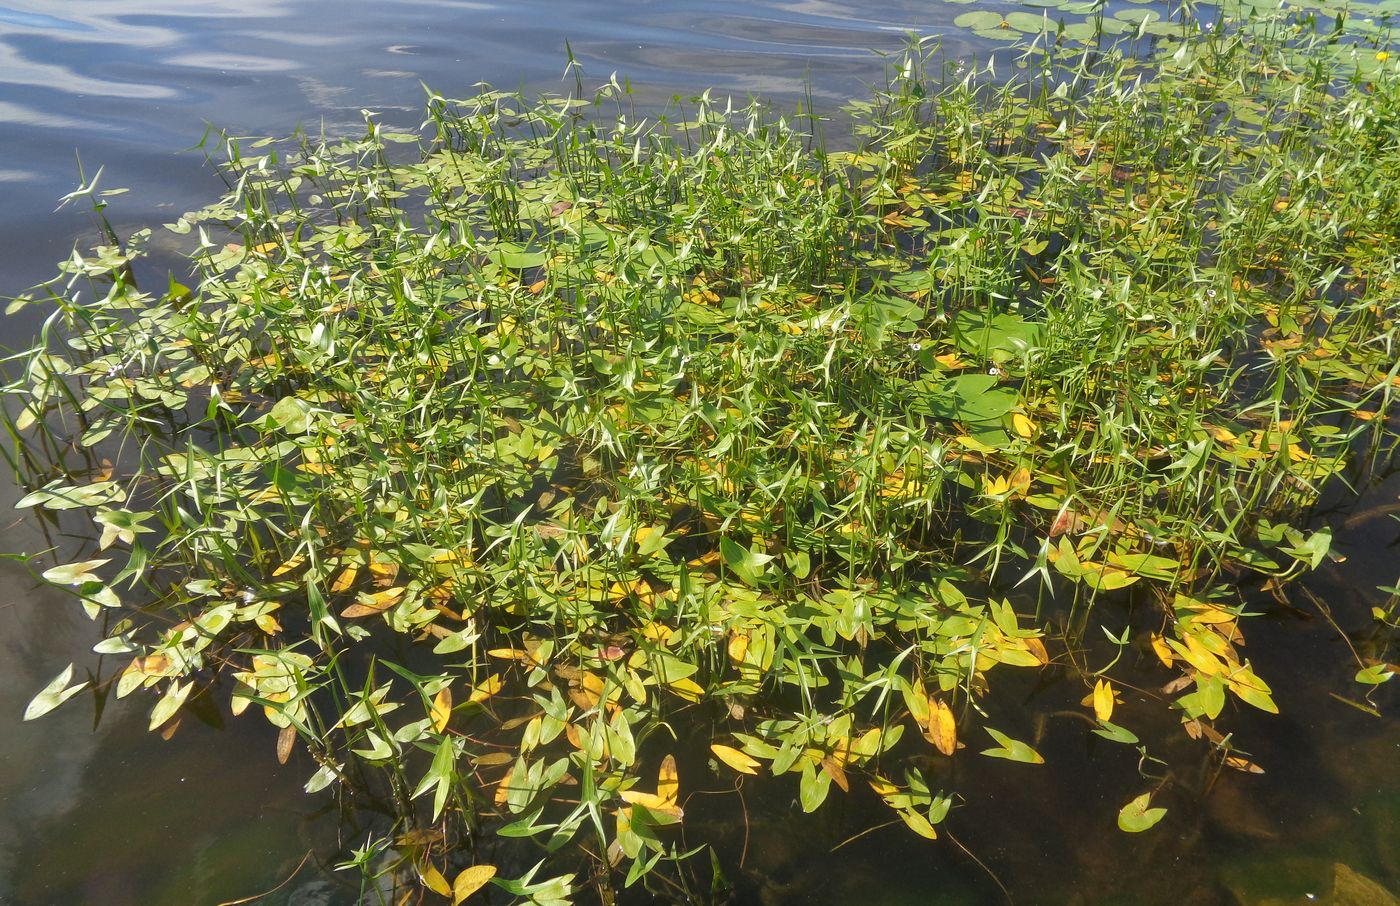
(441,711)
(503,789)
(433,879)
(687,689)
(738,647)
(1242,764)
(1164,652)
(486,689)
(668,783)
(657,633)
(651,802)
(1025,428)
(918,824)
(1037,649)
(290,564)
(594,686)
(383,573)
(346,580)
(470,881)
(1103,700)
(369,605)
(1198,656)
(832,768)
(735,759)
(942,731)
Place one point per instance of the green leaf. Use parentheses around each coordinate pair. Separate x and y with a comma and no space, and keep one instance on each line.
(746,564)
(58,497)
(169,703)
(75,573)
(1312,550)
(999,337)
(978,19)
(1115,733)
(517,257)
(812,790)
(54,694)
(1030,23)
(1012,749)
(290,414)
(1136,816)
(975,399)
(1375,675)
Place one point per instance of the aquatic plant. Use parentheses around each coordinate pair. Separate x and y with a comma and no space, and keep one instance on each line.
(481,459)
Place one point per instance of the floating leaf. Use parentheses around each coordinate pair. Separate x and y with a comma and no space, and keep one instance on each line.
(441,711)
(54,694)
(667,796)
(1103,700)
(470,880)
(367,605)
(1137,816)
(1375,674)
(433,879)
(1115,733)
(1012,749)
(75,573)
(918,823)
(485,689)
(735,759)
(942,730)
(978,19)
(1162,650)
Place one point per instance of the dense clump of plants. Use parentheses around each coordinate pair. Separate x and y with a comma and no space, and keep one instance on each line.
(479,459)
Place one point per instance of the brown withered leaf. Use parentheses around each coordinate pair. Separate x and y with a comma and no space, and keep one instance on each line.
(285,740)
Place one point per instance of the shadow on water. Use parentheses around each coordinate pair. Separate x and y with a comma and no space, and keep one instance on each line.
(113,814)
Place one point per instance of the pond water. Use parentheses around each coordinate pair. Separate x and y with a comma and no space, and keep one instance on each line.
(103,812)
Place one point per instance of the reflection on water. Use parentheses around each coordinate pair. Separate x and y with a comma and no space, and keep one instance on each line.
(114,815)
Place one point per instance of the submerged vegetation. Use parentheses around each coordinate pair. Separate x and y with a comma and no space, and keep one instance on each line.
(492,461)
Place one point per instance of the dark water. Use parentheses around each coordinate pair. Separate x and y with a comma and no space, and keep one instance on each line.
(103,812)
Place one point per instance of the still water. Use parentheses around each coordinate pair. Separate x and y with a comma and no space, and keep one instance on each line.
(103,812)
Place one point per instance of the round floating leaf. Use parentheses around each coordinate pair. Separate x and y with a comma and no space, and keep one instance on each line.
(978,19)
(1083,32)
(1137,16)
(1030,23)
(1137,816)
(290,414)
